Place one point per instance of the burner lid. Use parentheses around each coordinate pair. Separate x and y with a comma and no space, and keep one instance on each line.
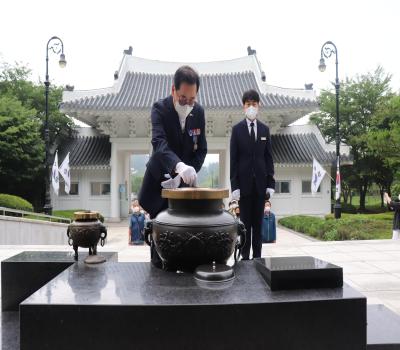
(195,193)
(214,273)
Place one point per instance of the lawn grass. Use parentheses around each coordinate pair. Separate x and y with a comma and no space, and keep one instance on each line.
(349,227)
(68,214)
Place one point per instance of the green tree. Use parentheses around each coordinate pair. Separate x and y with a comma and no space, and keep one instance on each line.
(360,100)
(21,147)
(384,142)
(384,138)
(16,86)
(15,81)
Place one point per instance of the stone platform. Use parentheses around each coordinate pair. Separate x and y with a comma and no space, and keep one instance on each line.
(25,273)
(134,305)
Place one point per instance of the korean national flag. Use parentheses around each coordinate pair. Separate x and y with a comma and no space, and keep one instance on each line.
(317,176)
(64,171)
(55,181)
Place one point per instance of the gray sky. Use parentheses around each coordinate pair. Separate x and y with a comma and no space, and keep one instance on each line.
(287,35)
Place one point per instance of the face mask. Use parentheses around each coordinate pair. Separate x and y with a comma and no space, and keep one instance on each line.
(251,112)
(183,111)
(142,211)
(267,210)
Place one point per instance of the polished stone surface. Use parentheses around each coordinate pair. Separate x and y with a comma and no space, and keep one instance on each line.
(50,256)
(383,329)
(134,305)
(25,273)
(141,284)
(299,272)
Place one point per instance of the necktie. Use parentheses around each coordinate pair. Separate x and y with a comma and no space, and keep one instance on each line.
(252,134)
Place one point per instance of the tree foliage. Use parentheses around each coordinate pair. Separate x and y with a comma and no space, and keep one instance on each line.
(22,114)
(361,101)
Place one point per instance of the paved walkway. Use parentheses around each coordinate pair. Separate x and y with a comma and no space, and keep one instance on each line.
(371,267)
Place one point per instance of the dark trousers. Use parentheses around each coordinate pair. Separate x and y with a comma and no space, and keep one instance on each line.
(251,213)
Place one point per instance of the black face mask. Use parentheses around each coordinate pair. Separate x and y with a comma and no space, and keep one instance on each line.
(238,215)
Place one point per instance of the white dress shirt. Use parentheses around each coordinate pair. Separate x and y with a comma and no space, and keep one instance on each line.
(249,126)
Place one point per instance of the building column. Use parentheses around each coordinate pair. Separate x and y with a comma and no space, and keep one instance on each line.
(128,176)
(227,174)
(221,169)
(114,212)
(125,200)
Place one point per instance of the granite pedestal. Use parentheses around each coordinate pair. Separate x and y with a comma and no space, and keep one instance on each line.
(137,306)
(25,273)
(9,330)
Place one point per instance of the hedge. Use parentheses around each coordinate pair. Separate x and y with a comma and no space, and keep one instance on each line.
(14,202)
(349,227)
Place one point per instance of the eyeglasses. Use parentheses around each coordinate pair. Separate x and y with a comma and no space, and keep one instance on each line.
(185,101)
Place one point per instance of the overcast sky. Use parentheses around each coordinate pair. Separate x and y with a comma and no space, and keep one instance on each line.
(287,35)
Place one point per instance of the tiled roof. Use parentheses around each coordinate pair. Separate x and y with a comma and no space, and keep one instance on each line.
(95,151)
(141,90)
(86,151)
(301,149)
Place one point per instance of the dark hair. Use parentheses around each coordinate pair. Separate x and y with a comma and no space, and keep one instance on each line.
(188,75)
(250,95)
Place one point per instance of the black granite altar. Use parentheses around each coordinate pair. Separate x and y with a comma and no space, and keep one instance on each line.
(9,330)
(299,272)
(383,329)
(137,306)
(25,273)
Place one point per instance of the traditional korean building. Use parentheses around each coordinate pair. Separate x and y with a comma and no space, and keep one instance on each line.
(119,120)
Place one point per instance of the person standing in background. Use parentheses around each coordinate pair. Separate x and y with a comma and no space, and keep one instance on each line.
(252,171)
(136,227)
(269,225)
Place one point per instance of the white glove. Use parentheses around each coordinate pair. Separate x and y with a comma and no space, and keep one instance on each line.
(236,195)
(171,183)
(187,173)
(271,192)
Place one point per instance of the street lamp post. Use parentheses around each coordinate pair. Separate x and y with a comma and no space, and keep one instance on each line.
(56,45)
(327,50)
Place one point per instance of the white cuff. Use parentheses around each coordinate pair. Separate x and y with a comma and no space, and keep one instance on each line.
(271,192)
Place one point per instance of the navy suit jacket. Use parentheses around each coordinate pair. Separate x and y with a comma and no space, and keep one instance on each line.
(251,161)
(171,146)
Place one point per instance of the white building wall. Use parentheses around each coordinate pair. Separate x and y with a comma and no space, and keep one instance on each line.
(21,231)
(296,202)
(283,204)
(84,200)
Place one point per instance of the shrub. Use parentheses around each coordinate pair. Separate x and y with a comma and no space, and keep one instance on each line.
(349,227)
(331,235)
(15,202)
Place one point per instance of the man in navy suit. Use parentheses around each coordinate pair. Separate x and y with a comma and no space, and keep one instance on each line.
(252,171)
(179,143)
